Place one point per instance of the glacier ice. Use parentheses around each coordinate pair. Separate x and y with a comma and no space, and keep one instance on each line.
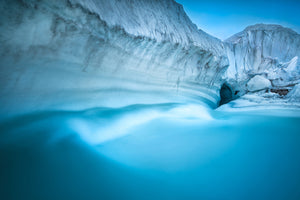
(80,54)
(108,99)
(162,20)
(294,94)
(263,50)
(258,83)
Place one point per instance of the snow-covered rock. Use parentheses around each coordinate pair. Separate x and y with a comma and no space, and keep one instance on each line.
(258,83)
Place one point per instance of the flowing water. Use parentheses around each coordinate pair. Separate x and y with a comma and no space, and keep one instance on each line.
(163,151)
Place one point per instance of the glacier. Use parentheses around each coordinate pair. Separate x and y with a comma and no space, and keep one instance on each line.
(70,54)
(149,56)
(267,51)
(128,99)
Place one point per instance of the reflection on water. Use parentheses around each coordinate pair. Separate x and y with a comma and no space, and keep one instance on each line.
(166,151)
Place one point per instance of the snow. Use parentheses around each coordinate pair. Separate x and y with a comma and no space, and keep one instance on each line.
(258,83)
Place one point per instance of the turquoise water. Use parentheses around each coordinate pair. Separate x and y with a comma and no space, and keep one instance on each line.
(164,151)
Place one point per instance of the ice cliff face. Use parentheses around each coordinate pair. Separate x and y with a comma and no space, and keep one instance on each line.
(76,54)
(266,51)
(162,20)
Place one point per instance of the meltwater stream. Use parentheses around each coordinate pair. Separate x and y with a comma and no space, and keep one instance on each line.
(160,151)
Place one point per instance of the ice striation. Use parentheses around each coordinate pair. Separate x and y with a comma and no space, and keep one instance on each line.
(75,55)
(294,94)
(102,99)
(72,55)
(162,20)
(267,51)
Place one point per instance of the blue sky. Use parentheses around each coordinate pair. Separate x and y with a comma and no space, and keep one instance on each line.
(223,18)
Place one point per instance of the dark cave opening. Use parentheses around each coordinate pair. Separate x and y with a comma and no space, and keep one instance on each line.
(226,94)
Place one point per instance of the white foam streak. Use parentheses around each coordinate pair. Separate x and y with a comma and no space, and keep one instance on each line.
(95,131)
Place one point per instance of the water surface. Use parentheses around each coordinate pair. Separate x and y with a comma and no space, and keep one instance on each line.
(164,151)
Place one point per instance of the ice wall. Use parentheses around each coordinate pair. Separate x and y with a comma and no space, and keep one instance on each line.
(80,54)
(270,51)
(162,20)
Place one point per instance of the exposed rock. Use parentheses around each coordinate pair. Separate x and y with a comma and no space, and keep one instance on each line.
(281,92)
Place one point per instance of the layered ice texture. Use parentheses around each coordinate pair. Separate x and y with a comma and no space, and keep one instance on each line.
(109,98)
(270,51)
(74,55)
